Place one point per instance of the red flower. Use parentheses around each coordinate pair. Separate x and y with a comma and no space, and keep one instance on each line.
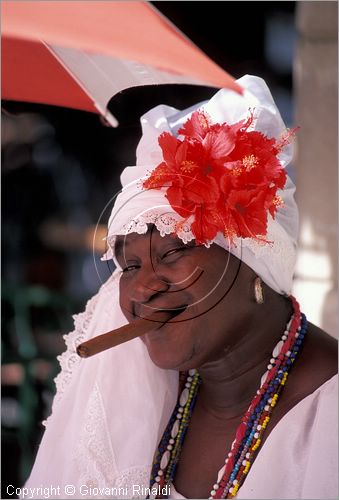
(224,177)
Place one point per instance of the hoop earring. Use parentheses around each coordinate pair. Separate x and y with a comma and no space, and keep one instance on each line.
(258,291)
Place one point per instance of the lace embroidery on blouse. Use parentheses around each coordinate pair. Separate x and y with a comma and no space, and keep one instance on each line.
(93,454)
(69,359)
(134,481)
(95,462)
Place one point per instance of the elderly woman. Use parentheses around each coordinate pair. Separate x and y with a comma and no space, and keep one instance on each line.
(234,394)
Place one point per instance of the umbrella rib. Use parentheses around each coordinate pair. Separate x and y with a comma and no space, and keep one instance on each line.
(100,107)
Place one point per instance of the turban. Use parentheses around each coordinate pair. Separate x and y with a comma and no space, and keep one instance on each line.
(135,207)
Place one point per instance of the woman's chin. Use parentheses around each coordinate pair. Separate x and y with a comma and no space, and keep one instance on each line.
(166,356)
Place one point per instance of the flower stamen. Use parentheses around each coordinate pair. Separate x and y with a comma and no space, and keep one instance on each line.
(278,201)
(249,162)
(187,166)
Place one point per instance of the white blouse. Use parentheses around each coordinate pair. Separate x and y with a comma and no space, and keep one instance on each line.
(299,459)
(110,411)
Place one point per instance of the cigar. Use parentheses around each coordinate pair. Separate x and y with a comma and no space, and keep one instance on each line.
(124,333)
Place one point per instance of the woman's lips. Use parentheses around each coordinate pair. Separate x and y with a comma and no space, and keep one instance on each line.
(174,312)
(164,312)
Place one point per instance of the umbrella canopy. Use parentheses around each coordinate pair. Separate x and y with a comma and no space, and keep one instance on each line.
(80,54)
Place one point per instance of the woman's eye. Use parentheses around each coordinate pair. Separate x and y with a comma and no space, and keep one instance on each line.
(131,267)
(173,251)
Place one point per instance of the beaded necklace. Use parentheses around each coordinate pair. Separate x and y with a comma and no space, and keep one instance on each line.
(250,431)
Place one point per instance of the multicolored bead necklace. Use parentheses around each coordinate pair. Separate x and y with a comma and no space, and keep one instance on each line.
(249,433)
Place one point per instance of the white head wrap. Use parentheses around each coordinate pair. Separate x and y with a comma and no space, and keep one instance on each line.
(109,411)
(135,207)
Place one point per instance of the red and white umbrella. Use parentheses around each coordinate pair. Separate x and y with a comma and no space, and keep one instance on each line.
(80,54)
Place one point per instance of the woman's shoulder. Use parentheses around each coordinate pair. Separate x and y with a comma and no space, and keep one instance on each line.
(301,451)
(318,360)
(317,363)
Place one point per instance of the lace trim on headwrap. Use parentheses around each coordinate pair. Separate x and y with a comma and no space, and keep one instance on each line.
(165,224)
(168,224)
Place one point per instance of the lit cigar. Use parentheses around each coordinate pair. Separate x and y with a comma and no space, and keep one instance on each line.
(124,333)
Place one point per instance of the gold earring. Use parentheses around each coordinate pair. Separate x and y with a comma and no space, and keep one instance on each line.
(258,291)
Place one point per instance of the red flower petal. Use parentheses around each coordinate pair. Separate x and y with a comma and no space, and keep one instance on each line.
(181,153)
(169,145)
(196,127)
(178,203)
(224,176)
(205,226)
(202,190)
(219,143)
(249,212)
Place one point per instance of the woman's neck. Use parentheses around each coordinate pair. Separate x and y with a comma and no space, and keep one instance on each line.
(230,382)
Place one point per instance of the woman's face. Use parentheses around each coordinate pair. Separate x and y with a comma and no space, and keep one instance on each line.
(199,284)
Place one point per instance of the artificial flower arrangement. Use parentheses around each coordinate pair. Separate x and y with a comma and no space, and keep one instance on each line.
(223,178)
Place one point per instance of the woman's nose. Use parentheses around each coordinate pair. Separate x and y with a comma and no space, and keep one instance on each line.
(147,284)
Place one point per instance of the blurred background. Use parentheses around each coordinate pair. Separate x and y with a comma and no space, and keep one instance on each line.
(60,168)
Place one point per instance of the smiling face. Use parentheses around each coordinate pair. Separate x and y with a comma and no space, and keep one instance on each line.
(204,287)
